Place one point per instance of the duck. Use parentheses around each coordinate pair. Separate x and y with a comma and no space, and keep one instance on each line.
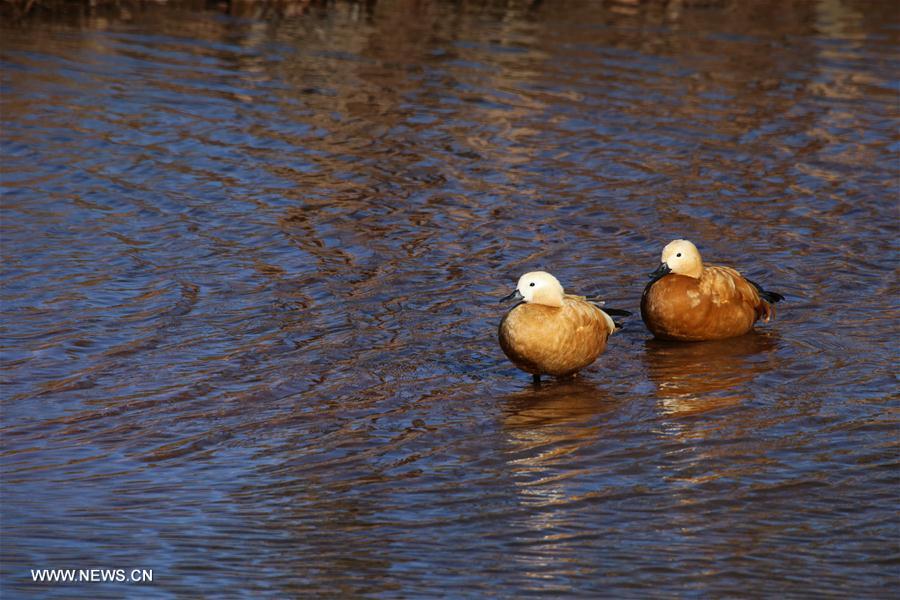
(549,332)
(688,301)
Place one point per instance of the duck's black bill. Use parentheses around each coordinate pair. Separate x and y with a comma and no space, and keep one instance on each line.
(516,295)
(661,271)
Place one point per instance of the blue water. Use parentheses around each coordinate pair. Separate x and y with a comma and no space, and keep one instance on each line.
(250,271)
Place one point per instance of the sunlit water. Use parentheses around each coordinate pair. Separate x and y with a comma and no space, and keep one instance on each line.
(249,299)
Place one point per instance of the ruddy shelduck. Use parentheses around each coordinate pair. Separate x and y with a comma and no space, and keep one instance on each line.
(550,332)
(689,301)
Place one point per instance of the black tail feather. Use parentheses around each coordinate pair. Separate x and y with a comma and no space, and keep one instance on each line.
(771,297)
(613,312)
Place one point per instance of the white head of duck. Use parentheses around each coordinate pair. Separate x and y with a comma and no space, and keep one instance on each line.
(538,287)
(682,258)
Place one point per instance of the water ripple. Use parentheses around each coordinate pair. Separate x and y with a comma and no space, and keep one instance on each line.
(249,282)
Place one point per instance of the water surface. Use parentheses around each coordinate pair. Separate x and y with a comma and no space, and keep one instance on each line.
(251,263)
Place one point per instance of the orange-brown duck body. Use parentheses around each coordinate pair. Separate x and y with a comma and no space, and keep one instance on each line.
(687,301)
(550,332)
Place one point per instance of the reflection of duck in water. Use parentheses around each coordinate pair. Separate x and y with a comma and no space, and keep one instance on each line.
(551,332)
(548,429)
(563,403)
(550,434)
(690,302)
(693,378)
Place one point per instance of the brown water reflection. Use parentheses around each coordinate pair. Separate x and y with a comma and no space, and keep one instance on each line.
(548,424)
(557,402)
(250,263)
(695,378)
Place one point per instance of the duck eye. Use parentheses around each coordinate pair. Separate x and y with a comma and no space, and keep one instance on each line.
(678,255)
(531,284)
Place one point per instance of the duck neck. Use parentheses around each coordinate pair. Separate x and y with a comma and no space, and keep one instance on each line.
(554,300)
(696,270)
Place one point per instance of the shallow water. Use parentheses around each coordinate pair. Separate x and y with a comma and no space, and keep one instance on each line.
(250,274)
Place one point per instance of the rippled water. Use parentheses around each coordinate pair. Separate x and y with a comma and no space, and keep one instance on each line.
(249,283)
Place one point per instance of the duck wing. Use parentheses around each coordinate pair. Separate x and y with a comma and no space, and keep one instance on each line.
(720,278)
(608,313)
(766,295)
(601,304)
